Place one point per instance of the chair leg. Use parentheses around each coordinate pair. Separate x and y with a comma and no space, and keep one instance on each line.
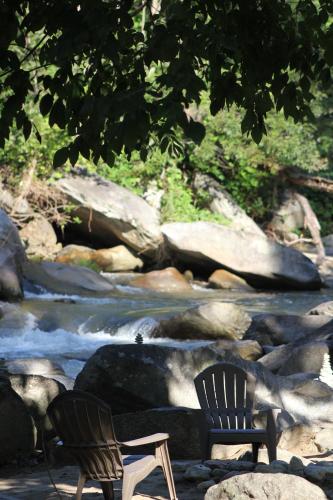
(271,448)
(107,488)
(80,485)
(255,450)
(128,488)
(163,454)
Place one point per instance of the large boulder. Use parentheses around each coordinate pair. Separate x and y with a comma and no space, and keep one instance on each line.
(135,378)
(40,239)
(276,329)
(307,358)
(261,262)
(182,424)
(37,392)
(38,366)
(166,280)
(62,278)
(12,256)
(141,377)
(265,487)
(220,202)
(17,430)
(213,320)
(246,349)
(111,213)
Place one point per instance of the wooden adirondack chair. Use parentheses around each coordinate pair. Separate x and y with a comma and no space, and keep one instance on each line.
(84,424)
(226,396)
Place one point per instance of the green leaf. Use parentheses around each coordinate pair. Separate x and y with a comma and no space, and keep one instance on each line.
(45,104)
(257,133)
(27,126)
(73,154)
(58,114)
(195,131)
(60,157)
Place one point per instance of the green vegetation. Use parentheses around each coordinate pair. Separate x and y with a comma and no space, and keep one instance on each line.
(194,88)
(121,77)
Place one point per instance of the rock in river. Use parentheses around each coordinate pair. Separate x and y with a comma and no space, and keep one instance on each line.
(214,320)
(261,262)
(112,214)
(62,278)
(12,256)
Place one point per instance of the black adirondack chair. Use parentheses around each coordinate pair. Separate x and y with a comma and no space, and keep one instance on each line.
(226,396)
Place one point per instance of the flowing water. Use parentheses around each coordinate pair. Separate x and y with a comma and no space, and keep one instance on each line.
(69,329)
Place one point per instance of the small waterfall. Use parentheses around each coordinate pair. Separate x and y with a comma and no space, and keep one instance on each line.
(326,374)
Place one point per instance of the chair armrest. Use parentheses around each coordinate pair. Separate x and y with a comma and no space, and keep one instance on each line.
(271,416)
(154,438)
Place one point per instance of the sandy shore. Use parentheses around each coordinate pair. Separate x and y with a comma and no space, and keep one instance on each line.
(33,483)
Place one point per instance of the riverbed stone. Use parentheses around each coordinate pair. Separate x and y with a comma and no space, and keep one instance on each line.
(212,320)
(246,349)
(277,329)
(261,262)
(265,487)
(112,214)
(12,256)
(75,255)
(325,308)
(165,280)
(62,278)
(117,259)
(198,472)
(228,281)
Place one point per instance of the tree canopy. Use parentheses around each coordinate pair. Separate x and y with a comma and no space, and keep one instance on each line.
(123,75)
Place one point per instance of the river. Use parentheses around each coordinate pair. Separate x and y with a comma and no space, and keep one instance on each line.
(68,329)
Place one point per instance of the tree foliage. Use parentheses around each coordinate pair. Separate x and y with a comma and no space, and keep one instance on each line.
(115,87)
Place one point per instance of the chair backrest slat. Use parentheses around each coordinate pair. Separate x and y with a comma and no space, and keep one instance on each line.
(226,394)
(84,424)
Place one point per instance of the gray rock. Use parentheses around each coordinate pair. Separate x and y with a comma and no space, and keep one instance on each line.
(208,321)
(260,261)
(308,358)
(17,430)
(277,329)
(180,423)
(274,359)
(246,349)
(279,466)
(326,308)
(289,216)
(12,256)
(265,487)
(324,439)
(197,472)
(37,392)
(122,375)
(62,278)
(319,472)
(220,202)
(40,239)
(296,466)
(204,485)
(111,213)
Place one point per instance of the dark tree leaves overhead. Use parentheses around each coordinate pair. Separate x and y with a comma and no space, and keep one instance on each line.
(115,86)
